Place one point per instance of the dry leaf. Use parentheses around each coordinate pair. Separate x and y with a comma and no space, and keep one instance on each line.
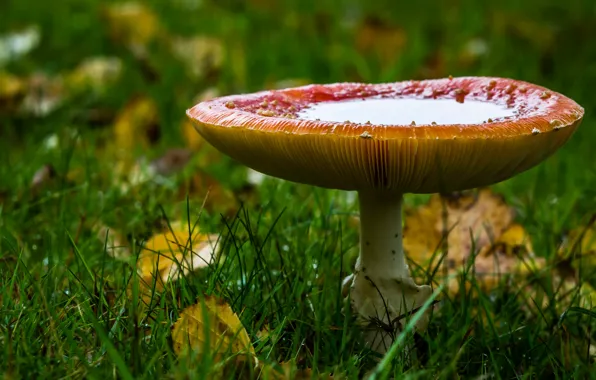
(42,177)
(472,51)
(115,243)
(173,254)
(288,371)
(218,198)
(254,177)
(171,162)
(43,95)
(287,83)
(16,44)
(580,246)
(374,37)
(95,74)
(192,138)
(132,24)
(540,34)
(12,89)
(136,126)
(479,225)
(201,55)
(211,327)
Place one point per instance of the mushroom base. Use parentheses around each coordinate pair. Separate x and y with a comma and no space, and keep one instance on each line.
(381,290)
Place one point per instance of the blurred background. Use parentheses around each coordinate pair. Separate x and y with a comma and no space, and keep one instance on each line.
(120,75)
(93,136)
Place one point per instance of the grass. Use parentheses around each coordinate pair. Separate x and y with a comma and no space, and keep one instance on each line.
(65,306)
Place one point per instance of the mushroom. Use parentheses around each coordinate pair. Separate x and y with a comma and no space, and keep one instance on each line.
(385,140)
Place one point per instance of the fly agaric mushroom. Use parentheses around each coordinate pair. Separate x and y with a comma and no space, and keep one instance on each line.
(385,140)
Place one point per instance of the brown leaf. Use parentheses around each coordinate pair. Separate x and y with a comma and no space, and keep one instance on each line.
(192,138)
(171,162)
(386,42)
(286,83)
(579,247)
(136,126)
(288,371)
(538,33)
(116,245)
(132,24)
(202,55)
(479,226)
(217,198)
(173,254)
(12,90)
(94,74)
(42,177)
(15,44)
(43,95)
(472,51)
(211,327)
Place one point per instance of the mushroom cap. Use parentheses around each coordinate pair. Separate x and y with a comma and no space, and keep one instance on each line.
(268,132)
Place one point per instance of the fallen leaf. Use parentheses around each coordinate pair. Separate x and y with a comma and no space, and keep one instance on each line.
(171,162)
(286,83)
(16,44)
(579,247)
(115,243)
(211,327)
(42,177)
(136,126)
(254,177)
(43,94)
(168,256)
(159,170)
(478,226)
(289,371)
(94,74)
(538,33)
(472,51)
(191,137)
(132,24)
(12,90)
(201,55)
(217,198)
(377,38)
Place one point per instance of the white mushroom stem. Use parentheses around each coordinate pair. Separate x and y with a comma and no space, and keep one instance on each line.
(381,287)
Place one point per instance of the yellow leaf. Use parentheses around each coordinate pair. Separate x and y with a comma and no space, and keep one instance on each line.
(218,199)
(201,55)
(42,177)
(95,74)
(286,83)
(288,371)
(115,243)
(479,226)
(12,89)
(538,33)
(374,37)
(192,138)
(44,94)
(580,246)
(132,24)
(135,126)
(170,255)
(211,327)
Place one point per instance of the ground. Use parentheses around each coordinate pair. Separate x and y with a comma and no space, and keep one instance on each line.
(90,120)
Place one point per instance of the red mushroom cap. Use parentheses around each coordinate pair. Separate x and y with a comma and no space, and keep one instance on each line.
(271,133)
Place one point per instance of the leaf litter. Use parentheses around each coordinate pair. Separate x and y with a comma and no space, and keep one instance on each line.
(174,254)
(211,330)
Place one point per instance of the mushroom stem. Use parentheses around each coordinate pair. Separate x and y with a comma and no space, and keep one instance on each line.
(381,288)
